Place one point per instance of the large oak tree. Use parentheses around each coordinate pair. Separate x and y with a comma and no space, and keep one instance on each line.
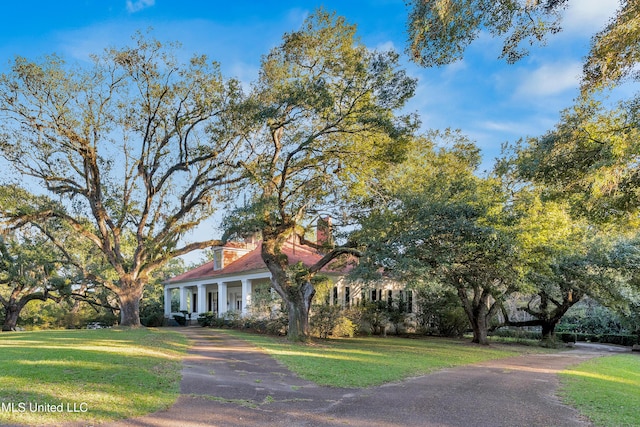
(135,145)
(323,121)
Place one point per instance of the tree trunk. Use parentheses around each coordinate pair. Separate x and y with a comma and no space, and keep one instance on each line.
(549,329)
(299,305)
(477,312)
(129,300)
(480,330)
(12,313)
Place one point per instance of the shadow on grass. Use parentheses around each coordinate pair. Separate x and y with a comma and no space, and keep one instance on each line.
(92,376)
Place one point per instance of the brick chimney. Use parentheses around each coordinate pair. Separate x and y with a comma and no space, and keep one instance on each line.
(324,232)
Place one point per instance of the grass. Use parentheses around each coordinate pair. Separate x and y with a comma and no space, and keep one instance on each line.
(369,361)
(606,389)
(51,377)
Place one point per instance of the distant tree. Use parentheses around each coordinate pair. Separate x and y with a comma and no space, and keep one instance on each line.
(566,255)
(322,122)
(152,305)
(440,223)
(29,271)
(136,146)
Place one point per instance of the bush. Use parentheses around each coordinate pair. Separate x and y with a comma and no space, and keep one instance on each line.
(441,314)
(153,320)
(619,339)
(344,328)
(278,325)
(182,320)
(376,314)
(568,337)
(518,334)
(324,319)
(206,319)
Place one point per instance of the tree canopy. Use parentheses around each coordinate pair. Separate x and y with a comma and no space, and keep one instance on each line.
(446,227)
(322,120)
(441,30)
(136,147)
(31,268)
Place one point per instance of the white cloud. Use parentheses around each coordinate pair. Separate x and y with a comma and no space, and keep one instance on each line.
(550,79)
(457,67)
(588,16)
(386,46)
(138,5)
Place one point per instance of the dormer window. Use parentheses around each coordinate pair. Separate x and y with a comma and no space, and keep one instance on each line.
(217,259)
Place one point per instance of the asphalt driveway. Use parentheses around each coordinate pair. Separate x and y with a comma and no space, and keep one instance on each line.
(227,382)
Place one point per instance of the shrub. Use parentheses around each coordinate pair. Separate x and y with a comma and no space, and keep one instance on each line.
(376,314)
(568,337)
(620,339)
(206,319)
(153,320)
(441,314)
(518,334)
(324,319)
(182,320)
(344,328)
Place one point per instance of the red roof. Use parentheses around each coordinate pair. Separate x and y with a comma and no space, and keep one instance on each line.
(252,262)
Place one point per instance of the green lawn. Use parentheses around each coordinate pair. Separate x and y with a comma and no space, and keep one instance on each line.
(89,375)
(606,389)
(363,362)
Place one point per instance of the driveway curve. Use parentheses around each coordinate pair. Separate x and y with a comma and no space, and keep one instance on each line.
(228,382)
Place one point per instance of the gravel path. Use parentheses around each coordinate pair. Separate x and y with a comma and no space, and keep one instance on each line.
(227,382)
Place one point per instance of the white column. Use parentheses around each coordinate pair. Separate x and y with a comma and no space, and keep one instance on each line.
(167,302)
(246,295)
(183,297)
(202,298)
(222,298)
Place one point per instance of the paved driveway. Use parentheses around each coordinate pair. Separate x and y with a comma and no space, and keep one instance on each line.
(227,382)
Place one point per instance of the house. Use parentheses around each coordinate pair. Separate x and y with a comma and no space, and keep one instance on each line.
(237,272)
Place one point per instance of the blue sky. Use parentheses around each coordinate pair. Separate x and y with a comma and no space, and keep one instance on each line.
(489,100)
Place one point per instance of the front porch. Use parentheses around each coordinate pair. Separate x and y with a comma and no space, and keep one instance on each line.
(220,296)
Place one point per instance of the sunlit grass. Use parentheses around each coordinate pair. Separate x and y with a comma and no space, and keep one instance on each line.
(364,362)
(606,389)
(92,376)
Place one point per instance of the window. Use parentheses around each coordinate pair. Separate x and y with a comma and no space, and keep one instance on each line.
(217,259)
(194,303)
(390,297)
(335,294)
(175,300)
(347,296)
(374,295)
(210,301)
(409,301)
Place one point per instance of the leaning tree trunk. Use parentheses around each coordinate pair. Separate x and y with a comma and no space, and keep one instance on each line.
(12,313)
(13,307)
